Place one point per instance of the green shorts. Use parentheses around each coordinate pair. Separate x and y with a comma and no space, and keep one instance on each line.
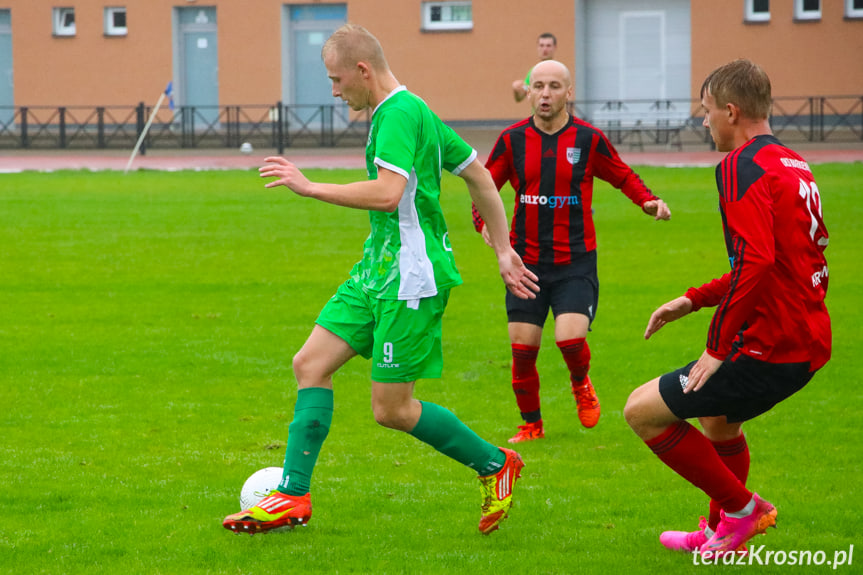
(404,344)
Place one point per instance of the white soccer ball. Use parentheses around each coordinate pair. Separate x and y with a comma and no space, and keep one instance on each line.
(259,485)
(246,148)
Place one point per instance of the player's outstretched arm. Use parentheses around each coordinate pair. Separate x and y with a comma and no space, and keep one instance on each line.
(518,279)
(658,209)
(382,194)
(666,313)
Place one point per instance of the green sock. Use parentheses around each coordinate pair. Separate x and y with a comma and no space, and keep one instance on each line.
(313,415)
(441,429)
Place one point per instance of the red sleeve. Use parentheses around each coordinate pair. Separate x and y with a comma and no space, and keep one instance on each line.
(748,220)
(499,164)
(612,169)
(710,294)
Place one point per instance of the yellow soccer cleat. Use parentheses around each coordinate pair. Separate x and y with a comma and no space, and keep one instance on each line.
(497,492)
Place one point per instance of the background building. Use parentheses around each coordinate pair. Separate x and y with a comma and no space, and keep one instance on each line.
(460,55)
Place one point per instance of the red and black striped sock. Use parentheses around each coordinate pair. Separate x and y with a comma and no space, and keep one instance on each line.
(525,381)
(735,456)
(576,354)
(689,453)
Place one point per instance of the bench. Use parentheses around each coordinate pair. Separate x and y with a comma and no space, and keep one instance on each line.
(660,124)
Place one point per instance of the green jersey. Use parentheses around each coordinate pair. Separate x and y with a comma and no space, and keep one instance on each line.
(407,255)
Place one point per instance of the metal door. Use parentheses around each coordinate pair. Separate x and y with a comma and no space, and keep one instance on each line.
(630,50)
(199,64)
(7,111)
(642,55)
(309,87)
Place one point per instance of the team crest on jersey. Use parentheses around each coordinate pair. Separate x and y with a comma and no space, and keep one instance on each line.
(573,155)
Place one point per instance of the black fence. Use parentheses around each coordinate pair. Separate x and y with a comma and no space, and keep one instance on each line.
(675,123)
(636,123)
(106,127)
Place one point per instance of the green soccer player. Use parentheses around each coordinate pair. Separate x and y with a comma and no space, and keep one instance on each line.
(390,308)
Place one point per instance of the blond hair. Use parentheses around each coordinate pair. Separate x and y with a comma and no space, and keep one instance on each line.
(742,83)
(352,44)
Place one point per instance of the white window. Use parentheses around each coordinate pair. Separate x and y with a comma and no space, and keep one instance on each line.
(757,10)
(807,9)
(115,22)
(854,8)
(64,21)
(447,16)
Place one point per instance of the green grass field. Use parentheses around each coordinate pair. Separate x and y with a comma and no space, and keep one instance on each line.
(147,325)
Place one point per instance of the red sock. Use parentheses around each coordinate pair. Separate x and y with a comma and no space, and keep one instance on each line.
(735,456)
(525,380)
(685,450)
(576,354)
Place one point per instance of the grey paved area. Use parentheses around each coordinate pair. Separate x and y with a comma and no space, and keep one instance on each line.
(481,138)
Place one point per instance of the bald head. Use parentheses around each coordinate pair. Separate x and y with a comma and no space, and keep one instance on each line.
(551,70)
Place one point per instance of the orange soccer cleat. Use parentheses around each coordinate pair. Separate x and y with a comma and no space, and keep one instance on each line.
(528,432)
(587,402)
(275,511)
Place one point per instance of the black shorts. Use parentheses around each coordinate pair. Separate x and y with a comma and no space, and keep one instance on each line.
(572,288)
(739,390)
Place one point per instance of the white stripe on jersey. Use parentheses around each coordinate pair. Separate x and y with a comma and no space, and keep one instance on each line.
(416,272)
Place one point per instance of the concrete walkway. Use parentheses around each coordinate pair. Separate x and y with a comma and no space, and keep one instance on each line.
(12,161)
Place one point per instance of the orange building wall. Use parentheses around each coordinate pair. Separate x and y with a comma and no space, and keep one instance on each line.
(463,75)
(250,60)
(89,68)
(468,75)
(801,58)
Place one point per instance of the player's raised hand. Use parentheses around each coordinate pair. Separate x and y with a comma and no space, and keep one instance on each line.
(675,309)
(287,175)
(658,209)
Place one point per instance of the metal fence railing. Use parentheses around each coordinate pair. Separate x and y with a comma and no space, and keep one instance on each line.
(105,127)
(667,122)
(816,119)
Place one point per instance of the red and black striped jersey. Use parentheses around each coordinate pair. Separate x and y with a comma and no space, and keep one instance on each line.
(552,175)
(770,306)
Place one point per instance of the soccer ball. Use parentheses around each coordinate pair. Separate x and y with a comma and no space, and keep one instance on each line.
(246,148)
(259,485)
